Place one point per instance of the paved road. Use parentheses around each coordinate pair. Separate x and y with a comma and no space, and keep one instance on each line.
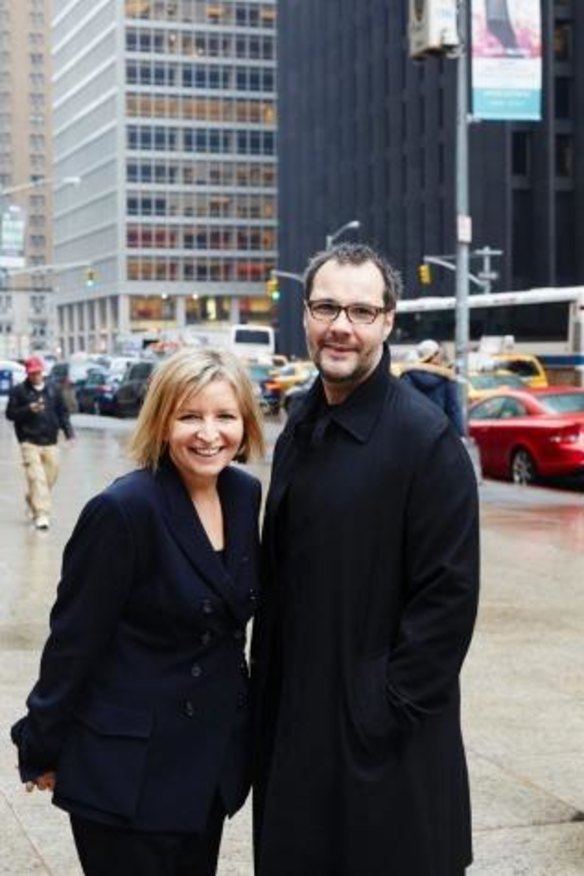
(523,681)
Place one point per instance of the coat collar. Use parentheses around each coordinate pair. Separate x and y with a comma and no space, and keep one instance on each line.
(359,412)
(187,529)
(357,415)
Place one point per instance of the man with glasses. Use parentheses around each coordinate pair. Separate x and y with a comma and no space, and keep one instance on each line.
(369,600)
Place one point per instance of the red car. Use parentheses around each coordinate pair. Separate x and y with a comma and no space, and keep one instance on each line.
(527,434)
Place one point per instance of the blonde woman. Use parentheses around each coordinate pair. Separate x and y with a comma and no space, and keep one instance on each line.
(138,721)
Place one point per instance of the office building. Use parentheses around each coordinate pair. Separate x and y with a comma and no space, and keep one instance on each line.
(166,111)
(367,134)
(25,298)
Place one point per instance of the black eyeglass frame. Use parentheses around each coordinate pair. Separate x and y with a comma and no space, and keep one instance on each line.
(346,309)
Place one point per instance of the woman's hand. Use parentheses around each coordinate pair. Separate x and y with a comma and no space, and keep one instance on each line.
(44,782)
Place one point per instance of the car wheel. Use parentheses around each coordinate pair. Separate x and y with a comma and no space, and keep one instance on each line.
(523,468)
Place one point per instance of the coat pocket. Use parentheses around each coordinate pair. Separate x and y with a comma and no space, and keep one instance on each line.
(103,759)
(371,709)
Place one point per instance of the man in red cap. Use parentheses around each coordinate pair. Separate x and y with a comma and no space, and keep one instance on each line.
(38,411)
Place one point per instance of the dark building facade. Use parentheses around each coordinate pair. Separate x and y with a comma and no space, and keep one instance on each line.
(368,134)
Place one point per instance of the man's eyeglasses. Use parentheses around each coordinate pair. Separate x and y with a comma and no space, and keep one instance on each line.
(359,314)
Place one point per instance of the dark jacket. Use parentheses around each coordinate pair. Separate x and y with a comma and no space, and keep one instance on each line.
(141,703)
(439,385)
(370,592)
(38,428)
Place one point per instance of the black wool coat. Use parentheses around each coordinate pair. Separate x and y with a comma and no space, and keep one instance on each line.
(369,600)
(141,705)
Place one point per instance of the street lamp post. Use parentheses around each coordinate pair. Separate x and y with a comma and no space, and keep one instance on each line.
(463,220)
(330,238)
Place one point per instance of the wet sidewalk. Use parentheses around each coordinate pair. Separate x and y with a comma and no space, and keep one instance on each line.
(523,683)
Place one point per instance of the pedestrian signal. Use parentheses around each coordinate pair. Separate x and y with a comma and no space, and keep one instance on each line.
(424,274)
(272,288)
(90,275)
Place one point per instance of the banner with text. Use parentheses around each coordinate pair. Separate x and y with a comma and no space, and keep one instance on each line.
(506,59)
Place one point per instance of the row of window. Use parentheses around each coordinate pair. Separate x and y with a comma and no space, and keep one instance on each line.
(185,42)
(170,75)
(202,12)
(199,308)
(169,139)
(212,173)
(522,159)
(215,206)
(178,237)
(211,269)
(203,109)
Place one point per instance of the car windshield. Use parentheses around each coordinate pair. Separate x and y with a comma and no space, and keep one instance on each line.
(563,402)
(492,381)
(260,372)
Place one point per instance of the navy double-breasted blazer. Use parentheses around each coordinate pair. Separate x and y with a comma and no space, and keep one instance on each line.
(141,703)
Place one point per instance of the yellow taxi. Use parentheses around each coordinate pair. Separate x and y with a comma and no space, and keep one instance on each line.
(525,366)
(482,383)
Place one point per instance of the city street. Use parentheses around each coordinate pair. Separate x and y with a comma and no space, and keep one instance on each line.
(523,682)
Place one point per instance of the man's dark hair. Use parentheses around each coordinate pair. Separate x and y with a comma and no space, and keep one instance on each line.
(356,254)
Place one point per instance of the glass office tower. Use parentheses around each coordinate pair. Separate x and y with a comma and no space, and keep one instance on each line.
(166,110)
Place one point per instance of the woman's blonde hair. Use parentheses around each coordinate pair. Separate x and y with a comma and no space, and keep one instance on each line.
(174,380)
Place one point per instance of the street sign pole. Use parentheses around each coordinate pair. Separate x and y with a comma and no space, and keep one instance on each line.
(463,220)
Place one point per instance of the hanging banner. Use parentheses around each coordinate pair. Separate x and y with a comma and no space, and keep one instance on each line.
(506,59)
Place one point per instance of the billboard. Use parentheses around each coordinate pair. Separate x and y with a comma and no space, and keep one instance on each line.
(12,234)
(506,60)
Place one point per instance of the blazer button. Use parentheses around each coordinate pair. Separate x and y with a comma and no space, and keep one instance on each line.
(189,709)
(239,635)
(206,638)
(241,701)
(196,670)
(207,606)
(253,596)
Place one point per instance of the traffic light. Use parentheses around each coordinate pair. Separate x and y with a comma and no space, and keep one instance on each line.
(424,274)
(272,288)
(90,276)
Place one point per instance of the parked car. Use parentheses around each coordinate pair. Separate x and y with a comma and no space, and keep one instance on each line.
(70,377)
(525,435)
(11,373)
(87,393)
(483,383)
(292,374)
(127,399)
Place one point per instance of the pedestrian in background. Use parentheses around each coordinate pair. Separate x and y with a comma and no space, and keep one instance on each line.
(368,605)
(139,719)
(38,411)
(430,375)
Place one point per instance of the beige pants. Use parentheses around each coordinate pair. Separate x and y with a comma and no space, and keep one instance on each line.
(41,467)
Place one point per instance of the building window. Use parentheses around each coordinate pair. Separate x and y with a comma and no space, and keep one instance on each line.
(564,91)
(564,155)
(521,153)
(563,41)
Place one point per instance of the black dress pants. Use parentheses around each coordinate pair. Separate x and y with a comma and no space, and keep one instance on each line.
(117,851)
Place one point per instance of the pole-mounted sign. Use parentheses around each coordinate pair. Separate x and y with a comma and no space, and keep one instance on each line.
(506,60)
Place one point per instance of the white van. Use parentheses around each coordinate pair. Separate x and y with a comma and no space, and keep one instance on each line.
(252,341)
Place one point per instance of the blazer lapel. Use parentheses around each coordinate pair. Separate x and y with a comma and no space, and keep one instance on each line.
(190,535)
